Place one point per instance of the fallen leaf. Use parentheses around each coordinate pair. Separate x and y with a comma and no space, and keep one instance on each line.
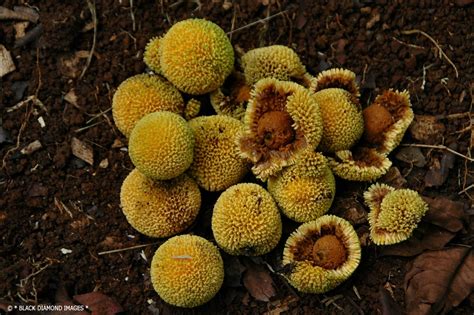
(439,170)
(6,61)
(411,155)
(99,303)
(259,283)
(350,209)
(82,151)
(394,178)
(439,280)
(389,305)
(355,213)
(445,213)
(427,129)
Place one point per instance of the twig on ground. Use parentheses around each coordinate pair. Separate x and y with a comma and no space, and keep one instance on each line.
(132,15)
(466,189)
(62,207)
(92,8)
(354,288)
(125,249)
(424,76)
(256,22)
(331,300)
(87,127)
(20,132)
(232,26)
(406,44)
(440,50)
(440,147)
(455,116)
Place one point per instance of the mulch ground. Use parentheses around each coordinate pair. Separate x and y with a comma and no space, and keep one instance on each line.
(59,213)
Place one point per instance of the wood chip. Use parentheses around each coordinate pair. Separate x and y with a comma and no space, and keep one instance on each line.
(117,144)
(6,62)
(71,97)
(32,147)
(41,121)
(20,29)
(104,163)
(82,151)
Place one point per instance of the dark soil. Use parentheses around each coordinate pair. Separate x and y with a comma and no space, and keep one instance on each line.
(51,201)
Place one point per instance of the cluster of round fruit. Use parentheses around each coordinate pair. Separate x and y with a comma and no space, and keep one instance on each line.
(293,130)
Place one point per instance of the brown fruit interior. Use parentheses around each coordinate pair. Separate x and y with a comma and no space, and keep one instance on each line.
(325,249)
(377,119)
(275,129)
(329,252)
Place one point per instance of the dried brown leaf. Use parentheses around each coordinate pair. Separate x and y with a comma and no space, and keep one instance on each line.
(445,213)
(99,303)
(82,151)
(427,129)
(394,178)
(259,283)
(439,170)
(411,155)
(439,280)
(6,61)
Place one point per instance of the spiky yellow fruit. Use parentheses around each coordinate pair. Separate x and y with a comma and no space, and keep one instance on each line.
(161,145)
(140,95)
(342,119)
(159,208)
(321,254)
(217,164)
(394,213)
(304,191)
(187,271)
(196,56)
(246,220)
(281,121)
(277,61)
